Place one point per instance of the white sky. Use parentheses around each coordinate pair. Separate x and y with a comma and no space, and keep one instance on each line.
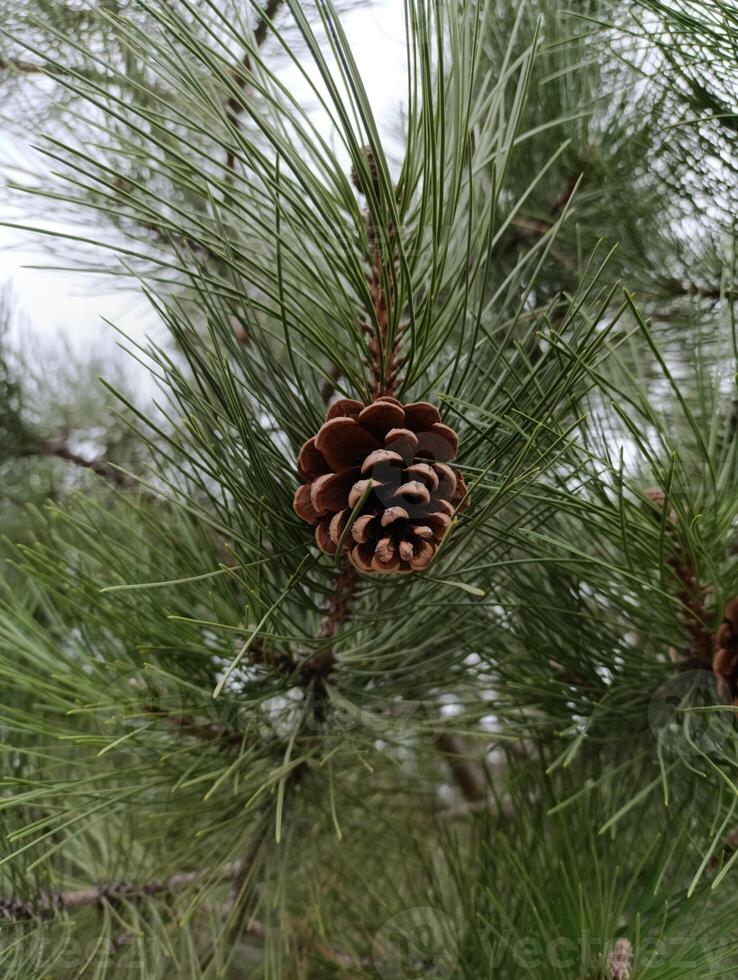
(72,306)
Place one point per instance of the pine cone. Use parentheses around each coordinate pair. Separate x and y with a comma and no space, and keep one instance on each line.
(725,661)
(398,456)
(620,960)
(657,496)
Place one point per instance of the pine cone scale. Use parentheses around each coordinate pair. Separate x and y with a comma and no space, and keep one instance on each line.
(725,661)
(347,407)
(303,504)
(424,473)
(311,462)
(331,491)
(344,443)
(381,416)
(421,415)
(392,461)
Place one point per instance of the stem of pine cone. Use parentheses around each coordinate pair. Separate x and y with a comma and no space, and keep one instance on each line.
(381,383)
(234,104)
(692,595)
(316,668)
(337,614)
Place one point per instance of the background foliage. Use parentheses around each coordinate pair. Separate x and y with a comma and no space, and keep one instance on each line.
(518,758)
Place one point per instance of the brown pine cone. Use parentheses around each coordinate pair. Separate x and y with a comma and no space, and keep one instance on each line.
(725,661)
(398,455)
(657,496)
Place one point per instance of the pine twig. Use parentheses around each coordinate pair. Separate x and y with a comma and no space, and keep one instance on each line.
(329,386)
(466,771)
(16,64)
(46,904)
(379,384)
(338,613)
(201,732)
(60,449)
(234,105)
(692,596)
(528,228)
(691,592)
(378,341)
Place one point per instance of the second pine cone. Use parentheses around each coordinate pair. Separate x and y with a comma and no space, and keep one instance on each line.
(725,662)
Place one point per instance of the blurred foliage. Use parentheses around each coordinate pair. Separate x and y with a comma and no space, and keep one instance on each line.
(57,423)
(558,252)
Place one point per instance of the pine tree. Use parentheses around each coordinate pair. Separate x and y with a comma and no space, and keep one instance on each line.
(397,635)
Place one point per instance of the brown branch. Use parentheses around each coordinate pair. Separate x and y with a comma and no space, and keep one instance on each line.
(466,771)
(564,197)
(338,605)
(46,904)
(202,732)
(533,228)
(15,64)
(691,593)
(329,386)
(379,384)
(234,105)
(378,333)
(45,68)
(59,448)
(317,667)
(676,287)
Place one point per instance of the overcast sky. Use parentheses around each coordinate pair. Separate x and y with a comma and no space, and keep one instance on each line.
(64,305)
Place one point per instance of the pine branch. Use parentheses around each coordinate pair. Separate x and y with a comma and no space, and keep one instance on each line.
(714,293)
(528,228)
(203,733)
(60,449)
(24,67)
(378,346)
(691,592)
(46,904)
(234,105)
(467,773)
(564,197)
(317,668)
(329,387)
(346,583)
